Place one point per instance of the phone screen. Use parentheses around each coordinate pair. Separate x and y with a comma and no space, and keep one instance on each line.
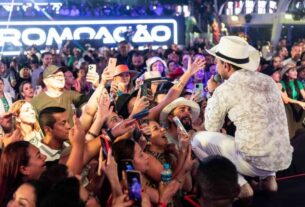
(134,187)
(143,90)
(127,165)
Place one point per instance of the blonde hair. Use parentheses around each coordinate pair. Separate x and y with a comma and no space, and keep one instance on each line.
(15,109)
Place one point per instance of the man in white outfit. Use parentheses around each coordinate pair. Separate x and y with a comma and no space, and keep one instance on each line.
(252,101)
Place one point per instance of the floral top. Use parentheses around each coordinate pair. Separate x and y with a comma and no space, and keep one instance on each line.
(253,103)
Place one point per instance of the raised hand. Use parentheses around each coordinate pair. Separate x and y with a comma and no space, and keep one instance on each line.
(197,97)
(197,65)
(77,133)
(107,74)
(114,88)
(93,77)
(104,108)
(145,129)
(127,125)
(108,166)
(184,139)
(189,162)
(140,104)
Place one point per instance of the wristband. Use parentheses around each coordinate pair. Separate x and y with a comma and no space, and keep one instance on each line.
(92,134)
(110,134)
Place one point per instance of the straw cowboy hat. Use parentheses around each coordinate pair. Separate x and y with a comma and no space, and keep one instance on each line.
(124,69)
(289,66)
(153,76)
(179,102)
(236,51)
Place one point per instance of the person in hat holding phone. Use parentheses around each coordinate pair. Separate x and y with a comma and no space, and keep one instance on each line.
(252,101)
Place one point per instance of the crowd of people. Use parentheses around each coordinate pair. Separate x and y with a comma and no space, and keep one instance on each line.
(72,120)
(89,9)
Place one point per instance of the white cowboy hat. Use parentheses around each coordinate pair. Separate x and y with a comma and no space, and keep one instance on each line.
(236,51)
(153,76)
(152,60)
(179,102)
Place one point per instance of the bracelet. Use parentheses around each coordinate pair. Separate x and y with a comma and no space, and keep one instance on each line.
(92,134)
(109,133)
(180,85)
(162,204)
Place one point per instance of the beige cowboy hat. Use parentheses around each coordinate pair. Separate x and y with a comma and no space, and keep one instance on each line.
(236,51)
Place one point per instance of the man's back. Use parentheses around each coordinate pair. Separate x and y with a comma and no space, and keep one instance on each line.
(253,102)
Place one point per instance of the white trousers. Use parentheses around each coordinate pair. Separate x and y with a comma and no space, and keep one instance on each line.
(213,143)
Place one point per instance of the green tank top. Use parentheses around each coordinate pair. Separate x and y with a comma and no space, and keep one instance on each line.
(294,93)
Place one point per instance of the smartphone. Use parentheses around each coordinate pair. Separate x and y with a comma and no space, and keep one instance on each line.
(105,147)
(127,164)
(144,89)
(92,68)
(134,187)
(13,123)
(198,88)
(141,114)
(179,124)
(111,65)
(38,88)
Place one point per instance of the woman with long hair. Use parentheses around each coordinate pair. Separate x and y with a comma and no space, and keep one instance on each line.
(293,95)
(122,80)
(80,84)
(20,162)
(26,91)
(26,121)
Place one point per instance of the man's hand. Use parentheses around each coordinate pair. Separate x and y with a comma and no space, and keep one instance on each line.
(212,84)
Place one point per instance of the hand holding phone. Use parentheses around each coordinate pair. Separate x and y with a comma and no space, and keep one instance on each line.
(198,88)
(179,124)
(183,136)
(92,68)
(111,65)
(134,187)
